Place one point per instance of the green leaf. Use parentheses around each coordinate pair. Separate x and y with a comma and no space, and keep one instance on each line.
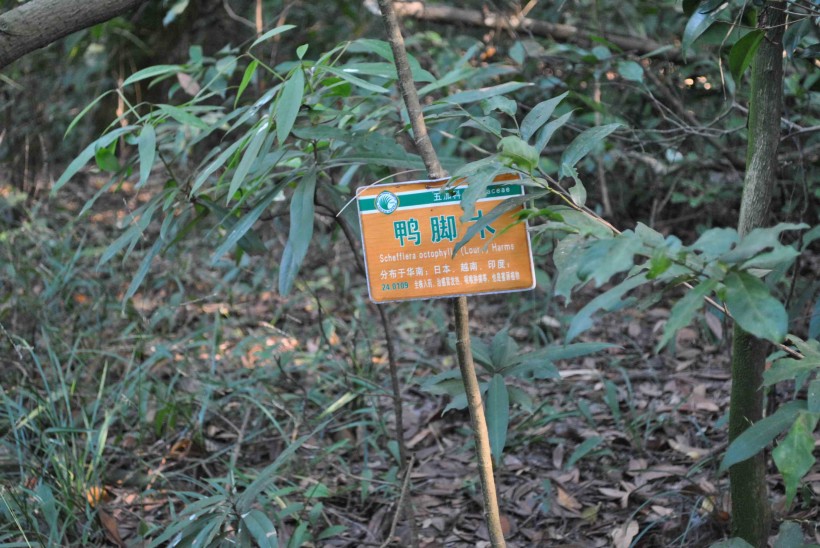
(514,151)
(757,241)
(755,438)
(471,96)
(84,111)
(214,165)
(502,349)
(742,53)
(246,79)
(658,264)
(794,34)
(261,529)
(577,192)
(754,308)
(500,103)
(548,130)
(479,175)
(151,72)
(246,499)
(607,257)
(583,145)
(715,242)
(813,399)
(248,159)
(567,259)
(184,117)
(106,159)
(244,224)
(788,368)
(142,270)
(540,361)
(301,231)
(539,115)
(299,535)
(790,535)
(583,450)
(498,415)
(793,456)
(271,33)
(494,214)
(383,50)
(700,20)
(685,309)
(88,153)
(356,81)
(147,148)
(630,70)
(607,301)
(290,100)
(487,124)
(570,351)
(731,543)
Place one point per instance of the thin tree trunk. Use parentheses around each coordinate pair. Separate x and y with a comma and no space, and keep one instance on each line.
(460,310)
(750,504)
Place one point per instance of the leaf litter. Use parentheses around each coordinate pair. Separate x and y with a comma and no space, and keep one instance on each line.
(658,422)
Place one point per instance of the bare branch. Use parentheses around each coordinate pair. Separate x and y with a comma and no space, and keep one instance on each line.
(564,33)
(38,23)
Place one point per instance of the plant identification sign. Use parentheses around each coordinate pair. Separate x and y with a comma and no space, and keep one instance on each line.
(409,232)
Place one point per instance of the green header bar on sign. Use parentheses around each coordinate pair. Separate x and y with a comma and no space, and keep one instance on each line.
(435,197)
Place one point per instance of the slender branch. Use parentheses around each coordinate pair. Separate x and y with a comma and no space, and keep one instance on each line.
(460,309)
(405,502)
(517,22)
(479,422)
(409,93)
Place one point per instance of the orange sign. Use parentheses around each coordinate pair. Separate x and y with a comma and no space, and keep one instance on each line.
(409,232)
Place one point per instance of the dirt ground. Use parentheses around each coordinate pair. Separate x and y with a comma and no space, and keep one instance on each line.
(622,451)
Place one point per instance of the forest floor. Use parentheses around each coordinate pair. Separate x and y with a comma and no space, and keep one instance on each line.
(208,374)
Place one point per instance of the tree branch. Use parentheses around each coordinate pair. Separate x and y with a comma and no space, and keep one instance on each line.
(564,33)
(38,23)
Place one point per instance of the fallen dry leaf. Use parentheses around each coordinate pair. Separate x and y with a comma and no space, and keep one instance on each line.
(110,527)
(567,501)
(623,535)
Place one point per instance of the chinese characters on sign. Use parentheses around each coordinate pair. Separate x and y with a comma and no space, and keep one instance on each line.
(409,231)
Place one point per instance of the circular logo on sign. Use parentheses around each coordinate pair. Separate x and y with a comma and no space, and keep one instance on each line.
(387,202)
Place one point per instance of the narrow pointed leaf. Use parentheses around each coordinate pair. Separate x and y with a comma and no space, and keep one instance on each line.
(246,79)
(289,102)
(742,53)
(548,130)
(301,231)
(147,148)
(473,95)
(248,159)
(583,145)
(151,72)
(539,115)
(261,528)
(498,415)
(87,154)
(271,33)
(607,301)
(685,309)
(244,224)
(761,434)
